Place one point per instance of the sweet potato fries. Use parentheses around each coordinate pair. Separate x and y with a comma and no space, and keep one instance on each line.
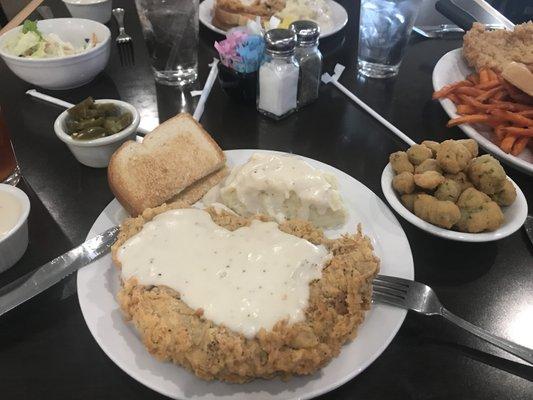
(486,98)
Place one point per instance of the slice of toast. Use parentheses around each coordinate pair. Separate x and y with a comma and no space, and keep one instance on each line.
(172,157)
(231,13)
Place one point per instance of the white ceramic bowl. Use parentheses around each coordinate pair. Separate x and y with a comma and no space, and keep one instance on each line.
(62,72)
(514,215)
(97,10)
(15,242)
(97,153)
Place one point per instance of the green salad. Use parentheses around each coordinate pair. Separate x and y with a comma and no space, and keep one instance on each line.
(32,43)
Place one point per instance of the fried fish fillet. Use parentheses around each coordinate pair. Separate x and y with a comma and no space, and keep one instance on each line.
(483,48)
(172,331)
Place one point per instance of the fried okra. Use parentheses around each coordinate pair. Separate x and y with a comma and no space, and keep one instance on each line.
(506,196)
(487,174)
(437,212)
(400,162)
(478,212)
(471,145)
(453,157)
(448,190)
(408,200)
(461,179)
(428,180)
(418,153)
(428,165)
(404,183)
(434,146)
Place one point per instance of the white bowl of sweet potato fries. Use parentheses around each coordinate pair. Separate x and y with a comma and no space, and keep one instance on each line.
(488,109)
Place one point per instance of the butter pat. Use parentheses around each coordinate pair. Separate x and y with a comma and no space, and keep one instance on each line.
(246,280)
(282,187)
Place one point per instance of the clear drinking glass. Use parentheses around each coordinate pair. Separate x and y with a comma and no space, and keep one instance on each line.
(170,28)
(384,29)
(9,169)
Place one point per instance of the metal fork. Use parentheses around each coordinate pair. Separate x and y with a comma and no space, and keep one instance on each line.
(124,41)
(421,298)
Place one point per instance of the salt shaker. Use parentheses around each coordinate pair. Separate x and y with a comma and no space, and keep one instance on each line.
(278,75)
(310,60)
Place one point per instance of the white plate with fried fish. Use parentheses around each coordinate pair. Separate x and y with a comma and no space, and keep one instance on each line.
(99,283)
(451,68)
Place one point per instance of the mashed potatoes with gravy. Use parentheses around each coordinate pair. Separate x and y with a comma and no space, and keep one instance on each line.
(282,187)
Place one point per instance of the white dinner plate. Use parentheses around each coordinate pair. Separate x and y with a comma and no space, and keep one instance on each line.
(452,68)
(339,17)
(514,216)
(98,284)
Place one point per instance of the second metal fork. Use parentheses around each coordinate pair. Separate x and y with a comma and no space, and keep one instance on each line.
(124,41)
(421,298)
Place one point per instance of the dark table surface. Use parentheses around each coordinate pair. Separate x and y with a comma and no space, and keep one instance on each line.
(46,350)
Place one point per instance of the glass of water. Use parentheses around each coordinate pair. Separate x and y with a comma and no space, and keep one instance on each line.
(384,29)
(170,28)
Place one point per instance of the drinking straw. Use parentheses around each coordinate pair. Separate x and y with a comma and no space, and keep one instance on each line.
(206,90)
(49,99)
(66,104)
(339,68)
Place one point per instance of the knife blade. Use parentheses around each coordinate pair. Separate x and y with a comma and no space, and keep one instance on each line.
(465,20)
(34,282)
(446,30)
(502,19)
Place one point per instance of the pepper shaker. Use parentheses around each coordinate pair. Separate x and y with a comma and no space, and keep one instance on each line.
(277,94)
(310,60)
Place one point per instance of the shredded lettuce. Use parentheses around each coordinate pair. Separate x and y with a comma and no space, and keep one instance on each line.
(31,26)
(25,43)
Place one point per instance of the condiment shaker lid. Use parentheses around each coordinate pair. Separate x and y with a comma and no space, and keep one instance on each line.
(307,32)
(280,41)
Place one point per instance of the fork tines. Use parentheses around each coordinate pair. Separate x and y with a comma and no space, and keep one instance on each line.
(389,289)
(126,53)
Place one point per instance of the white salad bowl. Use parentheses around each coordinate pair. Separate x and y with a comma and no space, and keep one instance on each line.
(15,242)
(65,72)
(96,153)
(514,215)
(97,10)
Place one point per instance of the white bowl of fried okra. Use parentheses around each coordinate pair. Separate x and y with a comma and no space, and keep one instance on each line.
(449,190)
(94,129)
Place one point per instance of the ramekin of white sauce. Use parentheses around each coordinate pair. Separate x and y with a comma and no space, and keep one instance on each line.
(14,211)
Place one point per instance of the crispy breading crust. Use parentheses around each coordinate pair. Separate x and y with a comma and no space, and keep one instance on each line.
(483,48)
(172,331)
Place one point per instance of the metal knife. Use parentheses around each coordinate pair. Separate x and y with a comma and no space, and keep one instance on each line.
(465,20)
(34,282)
(446,30)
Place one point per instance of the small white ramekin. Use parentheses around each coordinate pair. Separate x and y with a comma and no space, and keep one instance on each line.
(97,153)
(97,10)
(14,244)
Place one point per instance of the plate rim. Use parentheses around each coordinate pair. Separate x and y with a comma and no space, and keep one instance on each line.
(450,109)
(207,5)
(392,198)
(401,313)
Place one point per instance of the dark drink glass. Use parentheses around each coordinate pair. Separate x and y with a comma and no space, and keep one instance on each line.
(9,169)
